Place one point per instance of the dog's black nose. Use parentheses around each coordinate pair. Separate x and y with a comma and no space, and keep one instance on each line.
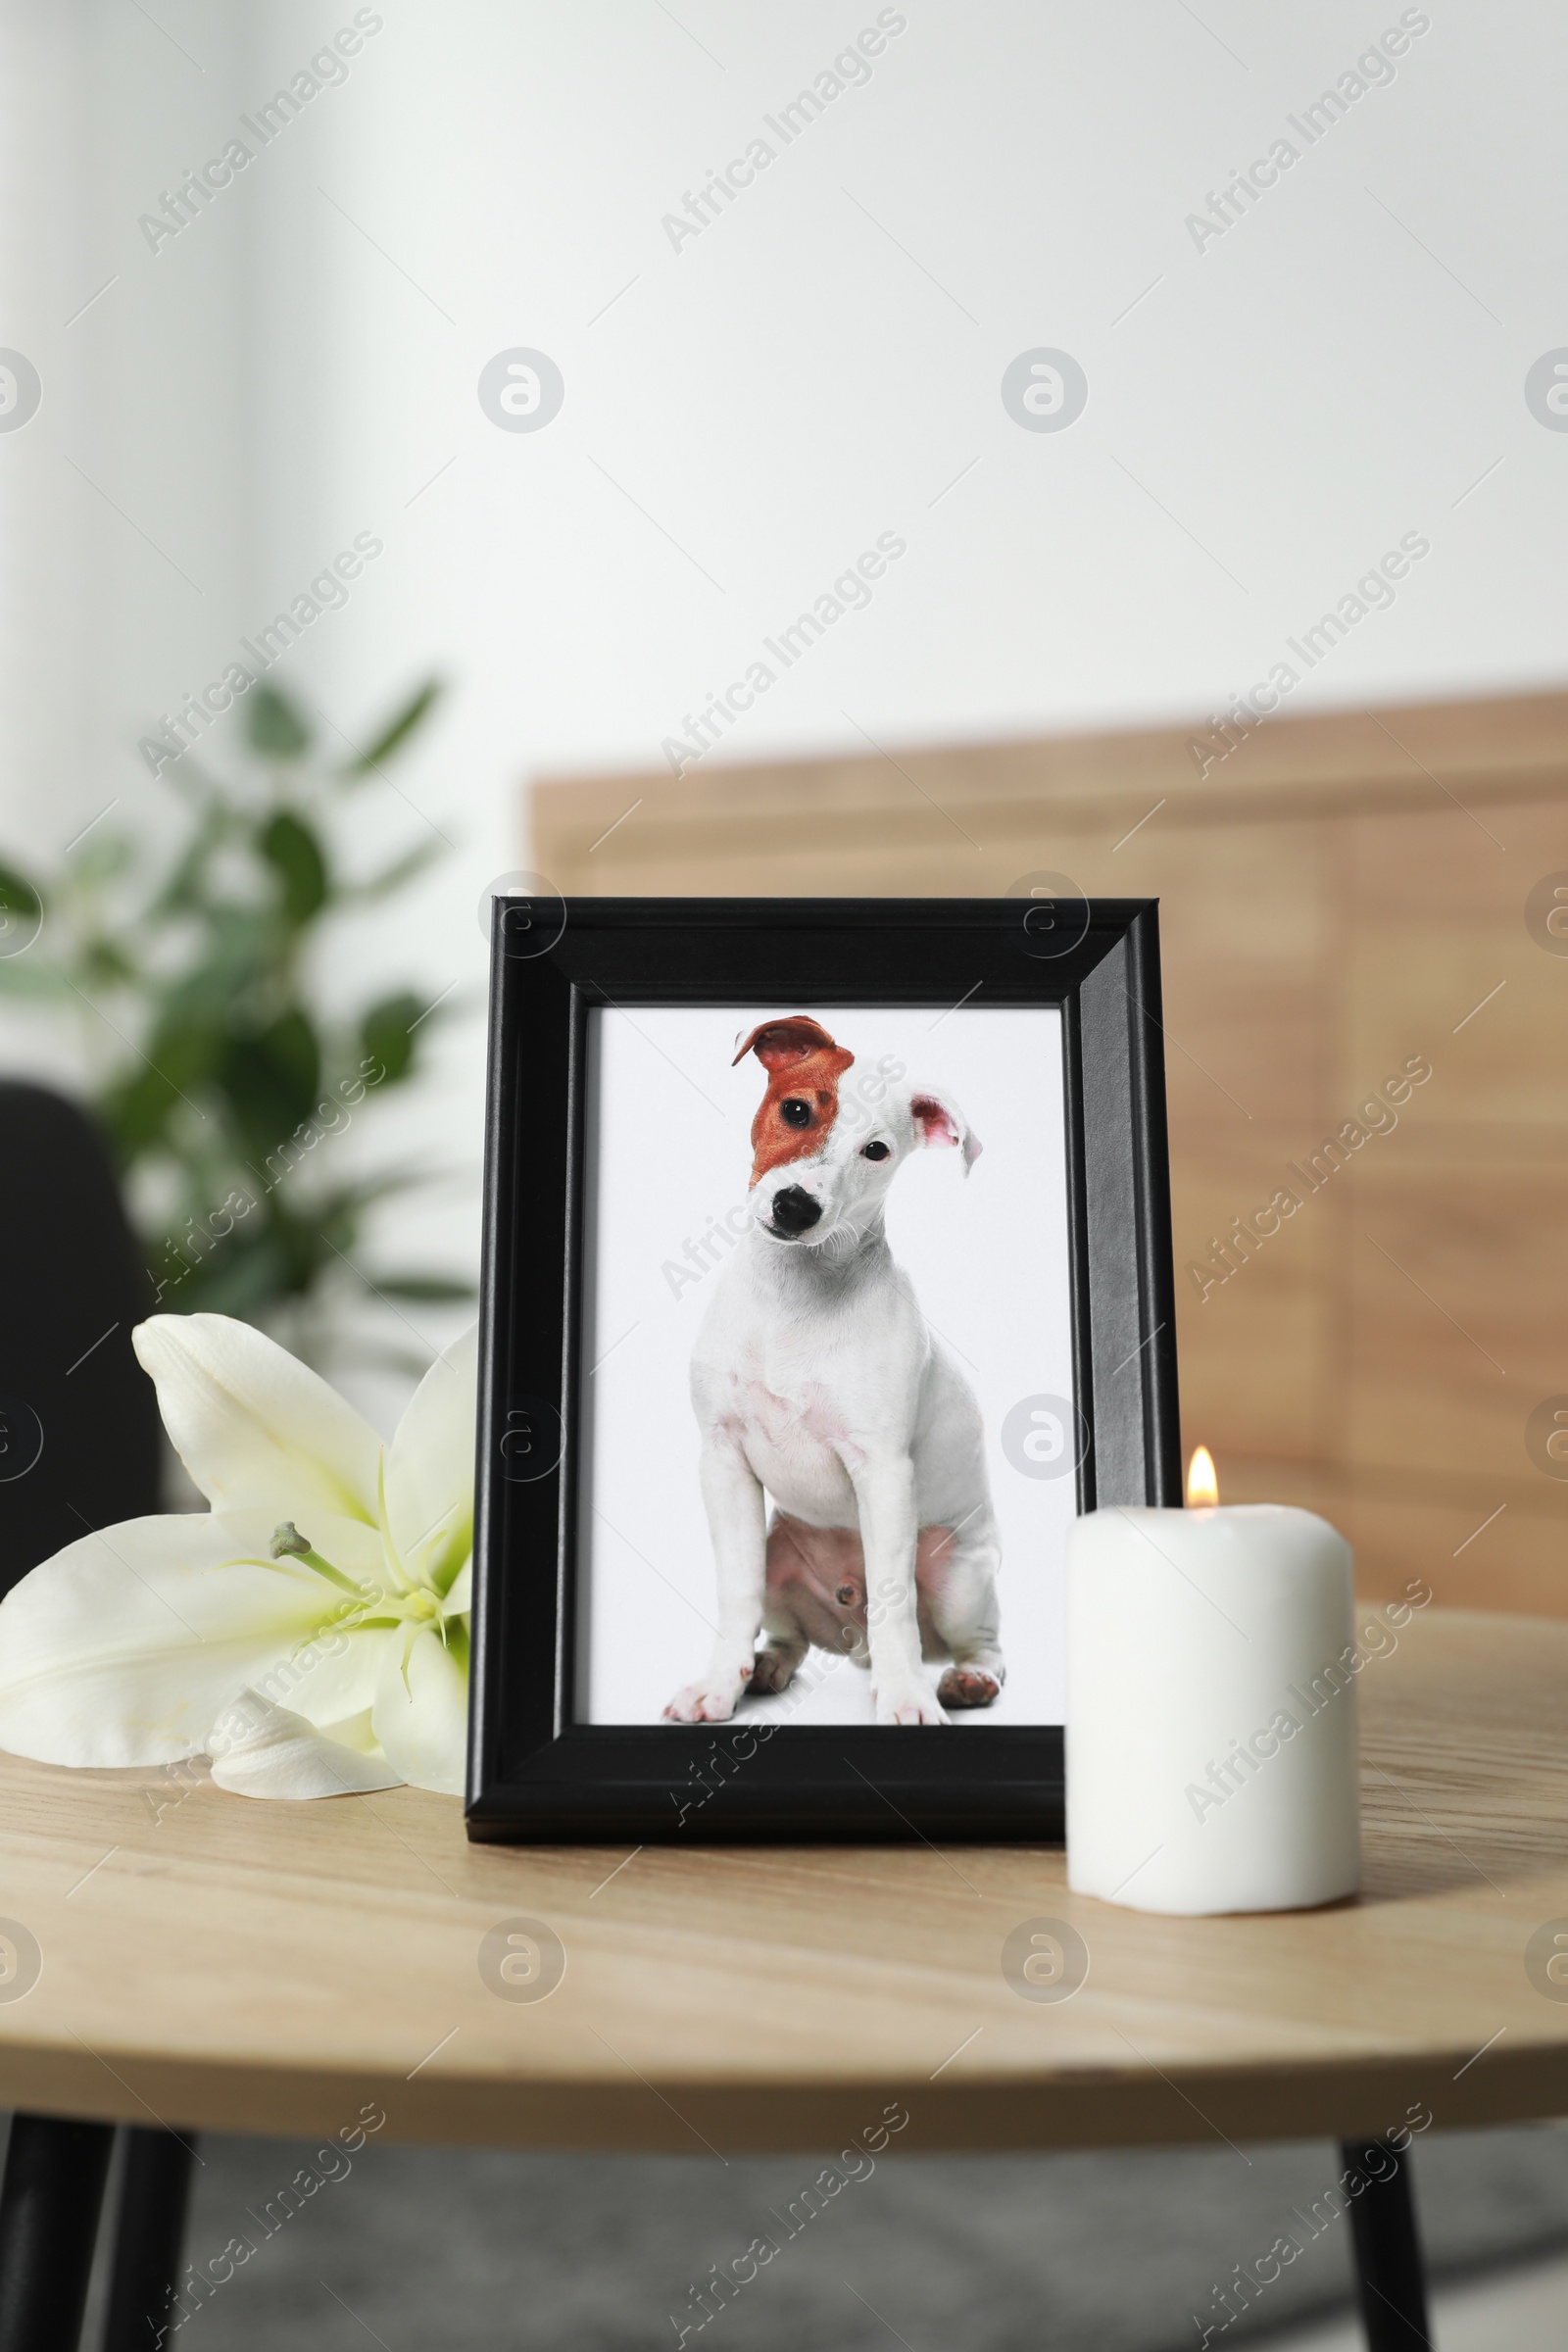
(794,1210)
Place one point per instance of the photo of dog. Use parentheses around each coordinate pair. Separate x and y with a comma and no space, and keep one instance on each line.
(813,1367)
(820,1389)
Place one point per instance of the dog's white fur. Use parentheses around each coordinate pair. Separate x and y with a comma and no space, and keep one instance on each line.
(816,1377)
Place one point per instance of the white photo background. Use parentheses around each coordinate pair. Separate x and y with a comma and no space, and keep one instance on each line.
(669,1167)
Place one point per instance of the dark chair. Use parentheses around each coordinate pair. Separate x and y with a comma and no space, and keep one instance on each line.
(80,1448)
(80,1444)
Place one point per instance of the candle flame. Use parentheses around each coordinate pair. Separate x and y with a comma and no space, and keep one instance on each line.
(1202,1486)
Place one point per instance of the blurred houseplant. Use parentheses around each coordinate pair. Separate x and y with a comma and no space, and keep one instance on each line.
(219,1076)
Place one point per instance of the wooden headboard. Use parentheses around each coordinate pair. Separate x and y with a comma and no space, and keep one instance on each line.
(1344,898)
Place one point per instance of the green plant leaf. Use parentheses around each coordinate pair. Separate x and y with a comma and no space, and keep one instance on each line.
(395,734)
(135,1113)
(186,884)
(136,1109)
(271,1078)
(421,1289)
(293,852)
(106,964)
(21,909)
(275,727)
(386,1033)
(339,1210)
(240,952)
(241,1276)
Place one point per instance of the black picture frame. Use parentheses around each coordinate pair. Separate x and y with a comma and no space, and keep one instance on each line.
(534,1775)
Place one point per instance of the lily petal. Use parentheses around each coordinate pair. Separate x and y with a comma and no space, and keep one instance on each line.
(125,1646)
(460,1593)
(429,1468)
(422,1709)
(280,1754)
(338,1673)
(253,1426)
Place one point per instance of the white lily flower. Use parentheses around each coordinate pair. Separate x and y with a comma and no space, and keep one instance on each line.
(310,1633)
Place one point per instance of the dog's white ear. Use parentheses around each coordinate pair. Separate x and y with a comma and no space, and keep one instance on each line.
(938,1121)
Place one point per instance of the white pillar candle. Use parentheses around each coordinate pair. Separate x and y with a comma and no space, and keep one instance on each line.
(1211,1748)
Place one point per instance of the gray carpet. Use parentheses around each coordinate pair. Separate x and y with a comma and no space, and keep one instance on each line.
(461,2249)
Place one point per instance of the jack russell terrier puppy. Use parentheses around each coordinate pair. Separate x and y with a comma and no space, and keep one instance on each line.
(815,1378)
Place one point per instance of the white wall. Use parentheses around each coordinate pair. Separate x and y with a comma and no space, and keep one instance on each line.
(816,367)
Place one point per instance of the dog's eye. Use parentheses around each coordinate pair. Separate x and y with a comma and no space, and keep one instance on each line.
(875,1152)
(794,1112)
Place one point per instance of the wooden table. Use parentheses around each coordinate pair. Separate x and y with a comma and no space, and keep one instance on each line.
(213,1963)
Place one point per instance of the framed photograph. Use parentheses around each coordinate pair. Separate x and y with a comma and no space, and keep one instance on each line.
(827,1277)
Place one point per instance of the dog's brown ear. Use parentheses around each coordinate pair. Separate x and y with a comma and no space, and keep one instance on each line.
(776,1044)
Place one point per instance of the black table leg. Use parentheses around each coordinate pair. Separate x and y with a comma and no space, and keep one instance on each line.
(1390,2275)
(148,2238)
(54,2187)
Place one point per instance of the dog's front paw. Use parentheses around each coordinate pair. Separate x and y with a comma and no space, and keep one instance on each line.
(908,1703)
(712,1700)
(968,1686)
